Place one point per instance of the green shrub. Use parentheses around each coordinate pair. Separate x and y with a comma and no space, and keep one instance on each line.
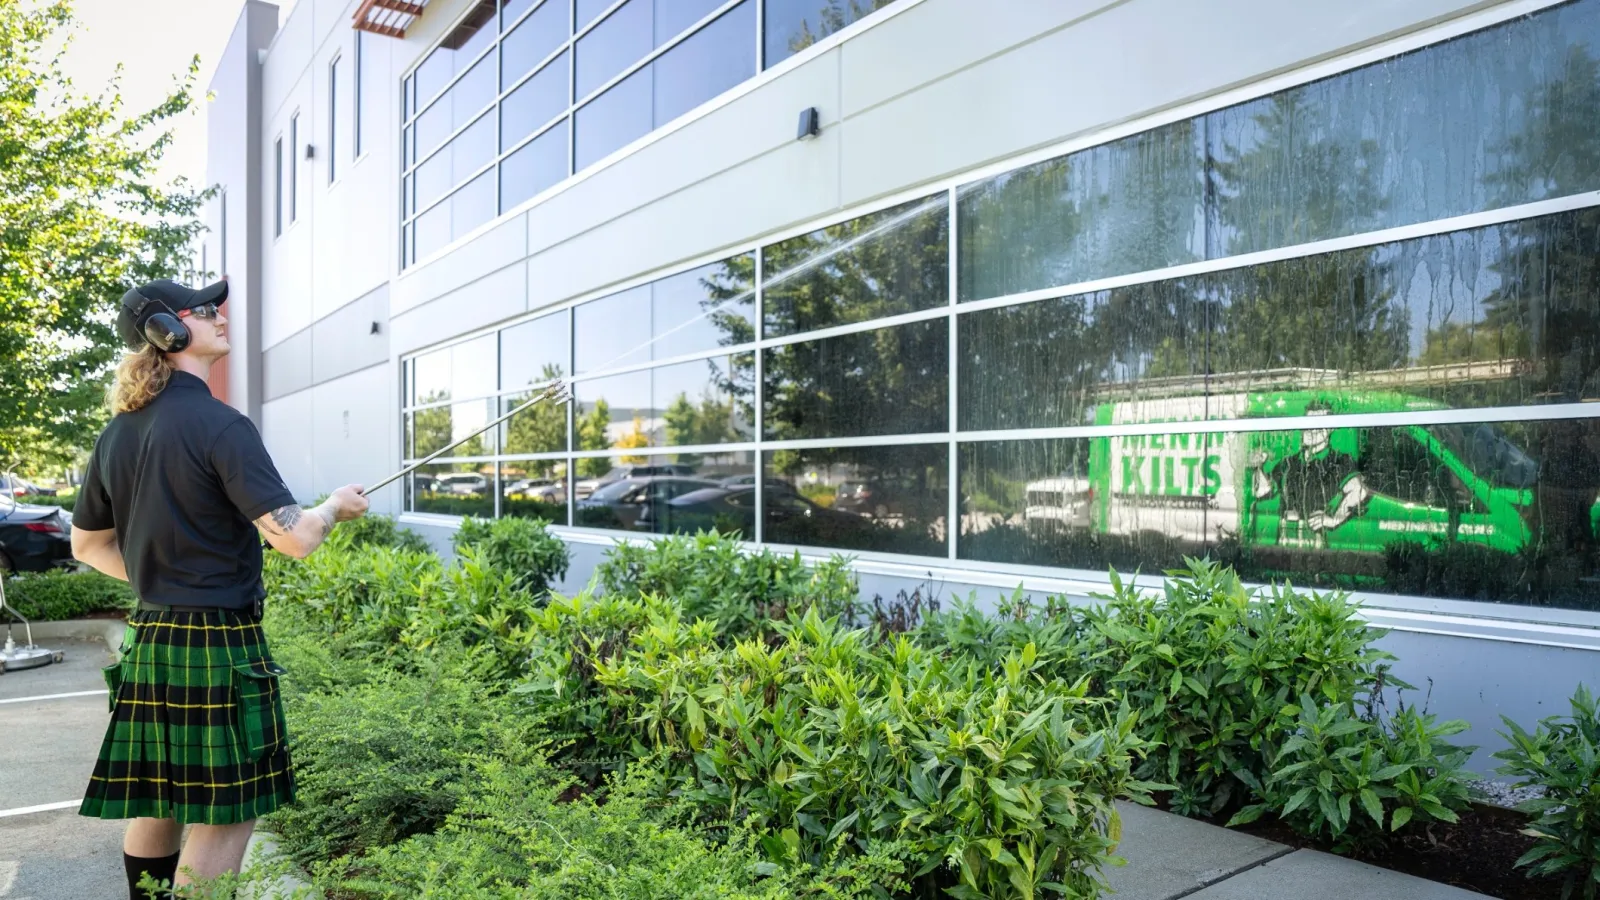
(1351,779)
(1562,757)
(711,576)
(829,742)
(51,596)
(516,836)
(523,548)
(1056,629)
(65,501)
(376,531)
(1211,665)
(389,758)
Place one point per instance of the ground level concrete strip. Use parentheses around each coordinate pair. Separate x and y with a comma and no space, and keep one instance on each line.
(1309,875)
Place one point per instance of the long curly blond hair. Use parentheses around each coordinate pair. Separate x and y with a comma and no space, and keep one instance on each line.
(140,377)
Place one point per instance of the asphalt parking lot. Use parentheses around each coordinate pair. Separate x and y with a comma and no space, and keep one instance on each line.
(48,744)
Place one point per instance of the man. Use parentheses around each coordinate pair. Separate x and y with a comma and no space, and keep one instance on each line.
(172,500)
(1309,482)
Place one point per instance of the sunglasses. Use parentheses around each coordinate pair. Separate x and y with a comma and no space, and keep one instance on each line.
(203,311)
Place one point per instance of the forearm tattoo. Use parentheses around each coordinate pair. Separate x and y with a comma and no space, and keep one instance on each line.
(282,520)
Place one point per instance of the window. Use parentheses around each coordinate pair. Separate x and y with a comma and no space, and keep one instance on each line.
(277,187)
(565,84)
(333,120)
(294,167)
(363,78)
(794,25)
(1291,410)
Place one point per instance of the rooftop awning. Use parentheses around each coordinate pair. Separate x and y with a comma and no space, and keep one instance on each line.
(390,18)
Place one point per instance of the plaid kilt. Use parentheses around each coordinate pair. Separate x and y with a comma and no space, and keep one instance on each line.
(197,730)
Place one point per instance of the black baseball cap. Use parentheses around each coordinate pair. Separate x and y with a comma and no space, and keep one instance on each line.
(139,304)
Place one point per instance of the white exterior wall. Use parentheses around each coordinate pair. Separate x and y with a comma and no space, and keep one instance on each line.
(923,91)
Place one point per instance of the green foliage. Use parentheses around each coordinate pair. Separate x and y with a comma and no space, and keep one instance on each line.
(712,577)
(1211,665)
(1352,779)
(401,607)
(1561,756)
(376,531)
(81,221)
(517,836)
(50,596)
(831,742)
(524,548)
(388,758)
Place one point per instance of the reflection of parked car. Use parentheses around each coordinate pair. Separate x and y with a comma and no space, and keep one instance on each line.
(34,538)
(463,484)
(588,486)
(737,506)
(883,498)
(631,503)
(543,490)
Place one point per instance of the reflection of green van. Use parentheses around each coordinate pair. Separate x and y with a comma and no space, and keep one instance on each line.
(1352,489)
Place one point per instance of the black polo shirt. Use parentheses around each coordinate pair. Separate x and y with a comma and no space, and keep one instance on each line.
(182,481)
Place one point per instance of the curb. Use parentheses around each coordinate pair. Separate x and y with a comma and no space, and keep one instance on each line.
(107,631)
(263,845)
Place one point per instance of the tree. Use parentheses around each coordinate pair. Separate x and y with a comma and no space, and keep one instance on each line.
(632,440)
(592,427)
(541,428)
(81,221)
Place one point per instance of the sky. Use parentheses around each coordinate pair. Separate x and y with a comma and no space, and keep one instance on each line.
(154,40)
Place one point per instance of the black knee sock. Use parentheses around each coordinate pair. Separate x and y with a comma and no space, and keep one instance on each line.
(161,868)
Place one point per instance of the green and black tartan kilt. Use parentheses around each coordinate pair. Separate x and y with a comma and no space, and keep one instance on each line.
(197,730)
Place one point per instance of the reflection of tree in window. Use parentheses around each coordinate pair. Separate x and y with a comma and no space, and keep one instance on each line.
(829,18)
(591,430)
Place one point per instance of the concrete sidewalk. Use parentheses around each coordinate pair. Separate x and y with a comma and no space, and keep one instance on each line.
(1171,857)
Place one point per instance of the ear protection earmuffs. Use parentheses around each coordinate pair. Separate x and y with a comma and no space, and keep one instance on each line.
(160,325)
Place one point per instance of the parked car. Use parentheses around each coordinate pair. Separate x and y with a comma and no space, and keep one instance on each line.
(463,484)
(885,499)
(587,486)
(543,490)
(723,506)
(632,503)
(18,487)
(34,538)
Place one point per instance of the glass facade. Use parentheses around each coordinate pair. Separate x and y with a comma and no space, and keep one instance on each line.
(522,94)
(935,379)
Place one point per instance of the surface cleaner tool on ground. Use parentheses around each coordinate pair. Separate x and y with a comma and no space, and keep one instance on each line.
(27,656)
(560,392)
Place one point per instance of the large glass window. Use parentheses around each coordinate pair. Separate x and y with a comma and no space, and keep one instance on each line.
(884,499)
(1496,316)
(885,381)
(1476,511)
(892,262)
(628,69)
(666,494)
(815,409)
(1491,119)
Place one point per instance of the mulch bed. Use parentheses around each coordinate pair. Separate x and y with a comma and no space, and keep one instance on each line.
(1476,854)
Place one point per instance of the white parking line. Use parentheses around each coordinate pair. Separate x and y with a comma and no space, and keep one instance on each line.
(45,807)
(100,692)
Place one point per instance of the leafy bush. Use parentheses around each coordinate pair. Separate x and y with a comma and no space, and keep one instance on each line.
(376,531)
(515,837)
(51,596)
(65,501)
(389,758)
(523,548)
(1211,665)
(1346,777)
(831,743)
(1562,757)
(712,577)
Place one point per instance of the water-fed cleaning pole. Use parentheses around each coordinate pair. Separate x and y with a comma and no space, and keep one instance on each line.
(555,393)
